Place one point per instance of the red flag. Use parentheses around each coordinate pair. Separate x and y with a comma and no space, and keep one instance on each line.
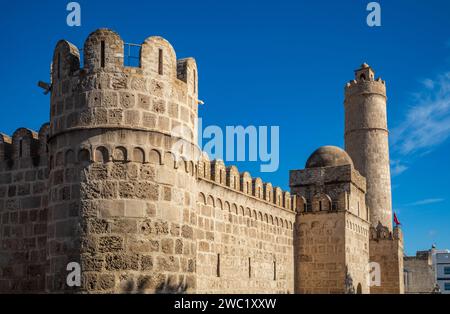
(396,220)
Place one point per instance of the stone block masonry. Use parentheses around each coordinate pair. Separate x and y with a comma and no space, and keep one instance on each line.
(332,227)
(106,184)
(245,241)
(23,210)
(101,186)
(366,140)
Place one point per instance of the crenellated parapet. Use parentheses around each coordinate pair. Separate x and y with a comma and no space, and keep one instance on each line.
(355,87)
(329,184)
(160,94)
(268,192)
(25,143)
(217,173)
(328,175)
(383,233)
(246,183)
(232,179)
(23,146)
(43,135)
(257,187)
(5,147)
(323,202)
(113,183)
(386,249)
(24,211)
(365,83)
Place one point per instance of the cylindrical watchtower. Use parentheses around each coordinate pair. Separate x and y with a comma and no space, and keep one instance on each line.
(366,140)
(121,196)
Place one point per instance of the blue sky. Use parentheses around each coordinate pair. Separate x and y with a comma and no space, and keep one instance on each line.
(280,63)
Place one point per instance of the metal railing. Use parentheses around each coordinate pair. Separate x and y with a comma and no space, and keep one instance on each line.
(131,55)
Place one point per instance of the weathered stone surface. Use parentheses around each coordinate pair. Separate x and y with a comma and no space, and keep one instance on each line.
(147,263)
(101,186)
(98,226)
(187,232)
(151,282)
(106,282)
(419,273)
(122,262)
(110,243)
(92,263)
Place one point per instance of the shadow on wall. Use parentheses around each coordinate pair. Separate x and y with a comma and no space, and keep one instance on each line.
(162,288)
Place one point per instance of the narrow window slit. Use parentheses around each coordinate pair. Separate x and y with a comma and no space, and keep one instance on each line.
(274,270)
(102,53)
(20,148)
(195,81)
(58,69)
(160,62)
(218,265)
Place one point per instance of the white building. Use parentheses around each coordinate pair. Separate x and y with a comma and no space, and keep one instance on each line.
(442,267)
(426,270)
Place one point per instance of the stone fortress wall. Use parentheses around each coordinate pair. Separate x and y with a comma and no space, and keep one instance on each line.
(386,249)
(420,274)
(246,233)
(106,185)
(23,210)
(116,183)
(332,227)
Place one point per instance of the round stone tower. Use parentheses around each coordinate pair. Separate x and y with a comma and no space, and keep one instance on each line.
(122,192)
(366,140)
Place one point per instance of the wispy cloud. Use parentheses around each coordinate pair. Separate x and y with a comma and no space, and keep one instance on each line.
(432,233)
(397,167)
(427,122)
(429,83)
(425,202)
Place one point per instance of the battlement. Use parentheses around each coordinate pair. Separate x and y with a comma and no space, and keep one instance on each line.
(329,189)
(322,202)
(102,184)
(103,51)
(327,175)
(365,83)
(217,173)
(159,94)
(24,145)
(357,87)
(382,233)
(420,255)
(5,147)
